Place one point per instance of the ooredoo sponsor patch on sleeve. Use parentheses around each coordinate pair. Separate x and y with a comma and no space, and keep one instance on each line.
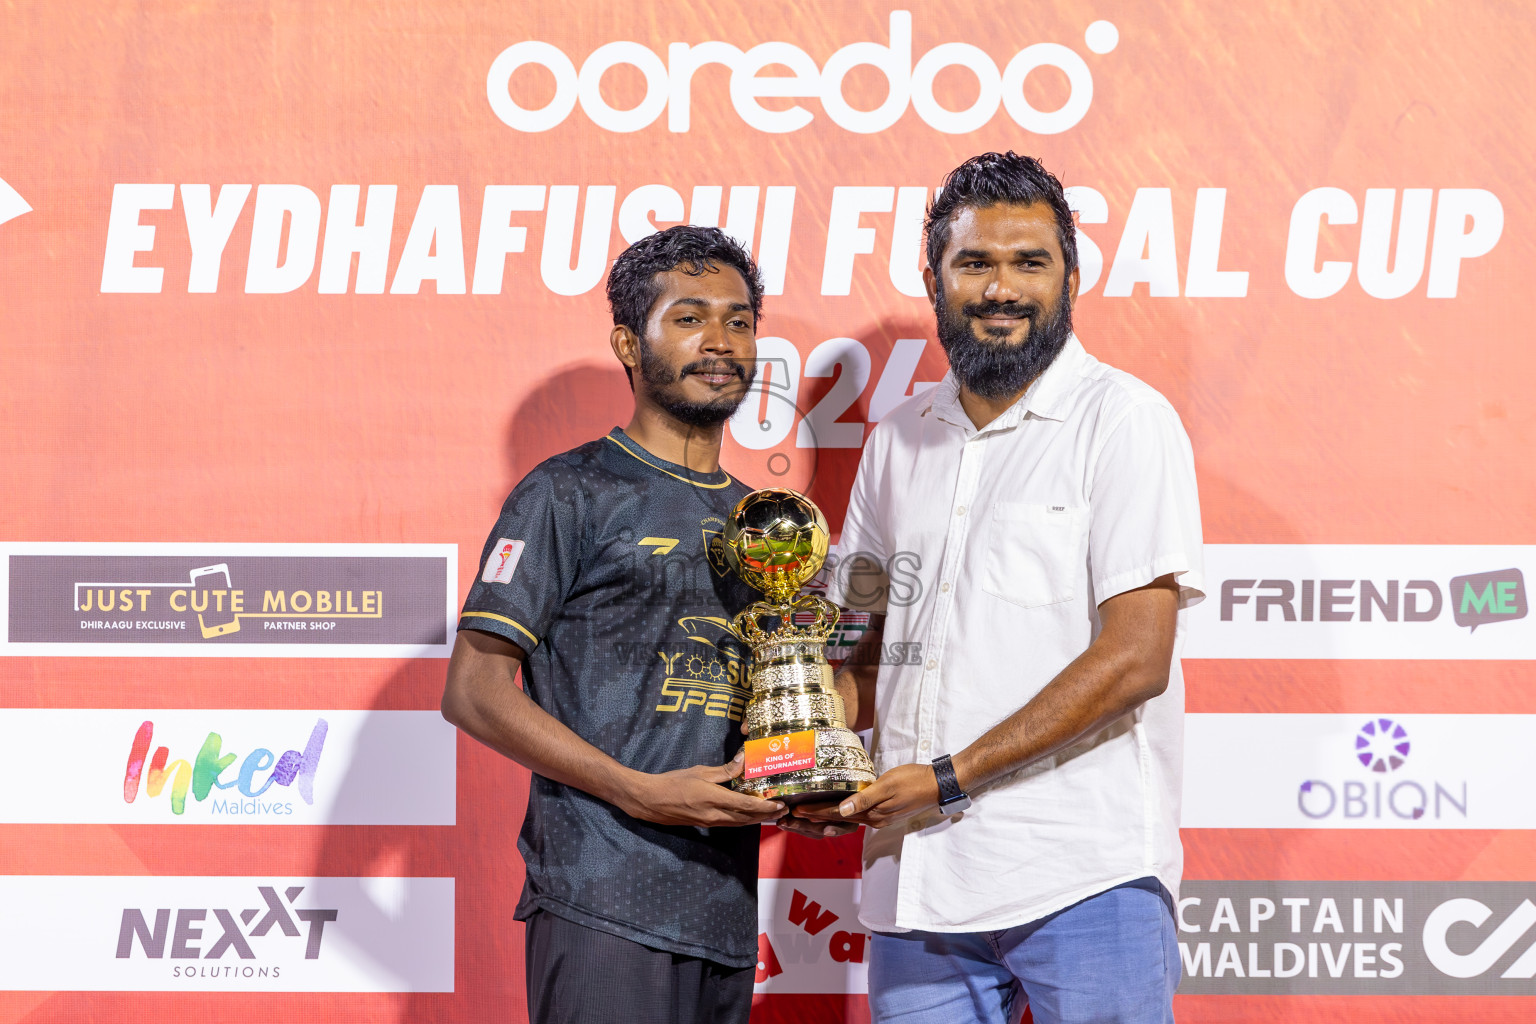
(502,561)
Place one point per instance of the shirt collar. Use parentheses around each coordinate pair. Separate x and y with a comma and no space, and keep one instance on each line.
(1046,398)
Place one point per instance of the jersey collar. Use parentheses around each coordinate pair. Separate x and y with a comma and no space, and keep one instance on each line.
(710,481)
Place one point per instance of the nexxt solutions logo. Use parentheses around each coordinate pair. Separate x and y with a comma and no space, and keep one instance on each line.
(233,767)
(1365,601)
(152,939)
(1358,938)
(1353,771)
(148,934)
(344,600)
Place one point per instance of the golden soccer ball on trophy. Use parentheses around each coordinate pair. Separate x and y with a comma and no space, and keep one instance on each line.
(777,540)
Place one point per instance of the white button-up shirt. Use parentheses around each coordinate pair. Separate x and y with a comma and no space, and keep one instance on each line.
(996,547)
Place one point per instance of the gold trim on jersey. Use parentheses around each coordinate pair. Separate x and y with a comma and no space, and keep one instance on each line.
(501,618)
(625,449)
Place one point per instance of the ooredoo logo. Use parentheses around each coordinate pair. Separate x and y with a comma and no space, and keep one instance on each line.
(669,83)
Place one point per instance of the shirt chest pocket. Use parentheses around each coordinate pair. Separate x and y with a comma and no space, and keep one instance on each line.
(1033,552)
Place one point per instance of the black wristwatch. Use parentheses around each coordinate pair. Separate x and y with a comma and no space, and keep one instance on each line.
(952,799)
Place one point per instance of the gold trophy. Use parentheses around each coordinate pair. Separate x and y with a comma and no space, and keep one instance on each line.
(799,747)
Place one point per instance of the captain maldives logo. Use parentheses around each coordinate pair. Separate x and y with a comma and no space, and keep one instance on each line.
(204,775)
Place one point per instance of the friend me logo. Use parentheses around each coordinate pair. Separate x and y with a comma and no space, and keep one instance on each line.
(1474,600)
(1381,748)
(669,83)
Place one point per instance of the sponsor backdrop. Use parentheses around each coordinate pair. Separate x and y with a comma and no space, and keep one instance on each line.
(292,294)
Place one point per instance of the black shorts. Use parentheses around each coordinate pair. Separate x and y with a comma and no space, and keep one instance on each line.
(578,975)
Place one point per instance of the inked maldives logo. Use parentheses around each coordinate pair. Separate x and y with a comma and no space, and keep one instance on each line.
(203,775)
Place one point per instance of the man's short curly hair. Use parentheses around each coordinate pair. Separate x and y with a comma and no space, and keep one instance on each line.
(633,287)
(992,178)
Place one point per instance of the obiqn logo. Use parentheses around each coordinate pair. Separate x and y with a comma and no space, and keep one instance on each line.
(1381,748)
(1488,597)
(11,203)
(1382,745)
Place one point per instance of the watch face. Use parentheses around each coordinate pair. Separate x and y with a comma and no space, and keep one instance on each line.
(955,806)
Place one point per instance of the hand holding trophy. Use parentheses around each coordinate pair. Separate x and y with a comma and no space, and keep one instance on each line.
(799,747)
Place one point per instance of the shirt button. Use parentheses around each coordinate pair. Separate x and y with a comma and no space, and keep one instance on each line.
(933,663)
(944,587)
(960,511)
(923,745)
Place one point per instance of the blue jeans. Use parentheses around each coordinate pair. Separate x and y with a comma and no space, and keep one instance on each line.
(1111,958)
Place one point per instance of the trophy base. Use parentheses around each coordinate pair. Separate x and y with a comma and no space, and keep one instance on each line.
(806,787)
(816,765)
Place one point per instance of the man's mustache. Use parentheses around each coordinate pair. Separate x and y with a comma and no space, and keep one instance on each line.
(1010,310)
(714,366)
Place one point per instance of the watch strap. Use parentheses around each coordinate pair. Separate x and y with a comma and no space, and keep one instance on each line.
(949,785)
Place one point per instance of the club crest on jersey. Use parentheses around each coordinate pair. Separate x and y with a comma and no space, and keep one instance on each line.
(502,561)
(713,528)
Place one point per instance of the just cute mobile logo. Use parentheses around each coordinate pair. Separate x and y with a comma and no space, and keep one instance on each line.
(212,773)
(908,78)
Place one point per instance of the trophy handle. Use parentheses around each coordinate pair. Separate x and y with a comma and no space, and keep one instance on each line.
(747,624)
(825,611)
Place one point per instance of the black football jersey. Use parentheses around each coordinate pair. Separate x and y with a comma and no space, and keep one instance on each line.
(606,567)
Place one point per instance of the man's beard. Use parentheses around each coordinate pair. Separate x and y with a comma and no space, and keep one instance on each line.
(661,384)
(999,370)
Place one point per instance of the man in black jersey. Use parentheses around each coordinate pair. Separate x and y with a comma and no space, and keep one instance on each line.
(604,582)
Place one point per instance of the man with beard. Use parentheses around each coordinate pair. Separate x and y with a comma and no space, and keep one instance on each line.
(599,582)
(1024,828)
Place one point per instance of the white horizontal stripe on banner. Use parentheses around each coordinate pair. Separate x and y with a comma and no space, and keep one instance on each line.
(201,767)
(1453,602)
(1359,771)
(222,934)
(809,936)
(258,600)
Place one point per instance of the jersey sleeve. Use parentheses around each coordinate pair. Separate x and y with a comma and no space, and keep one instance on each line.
(1145,507)
(530,560)
(860,580)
